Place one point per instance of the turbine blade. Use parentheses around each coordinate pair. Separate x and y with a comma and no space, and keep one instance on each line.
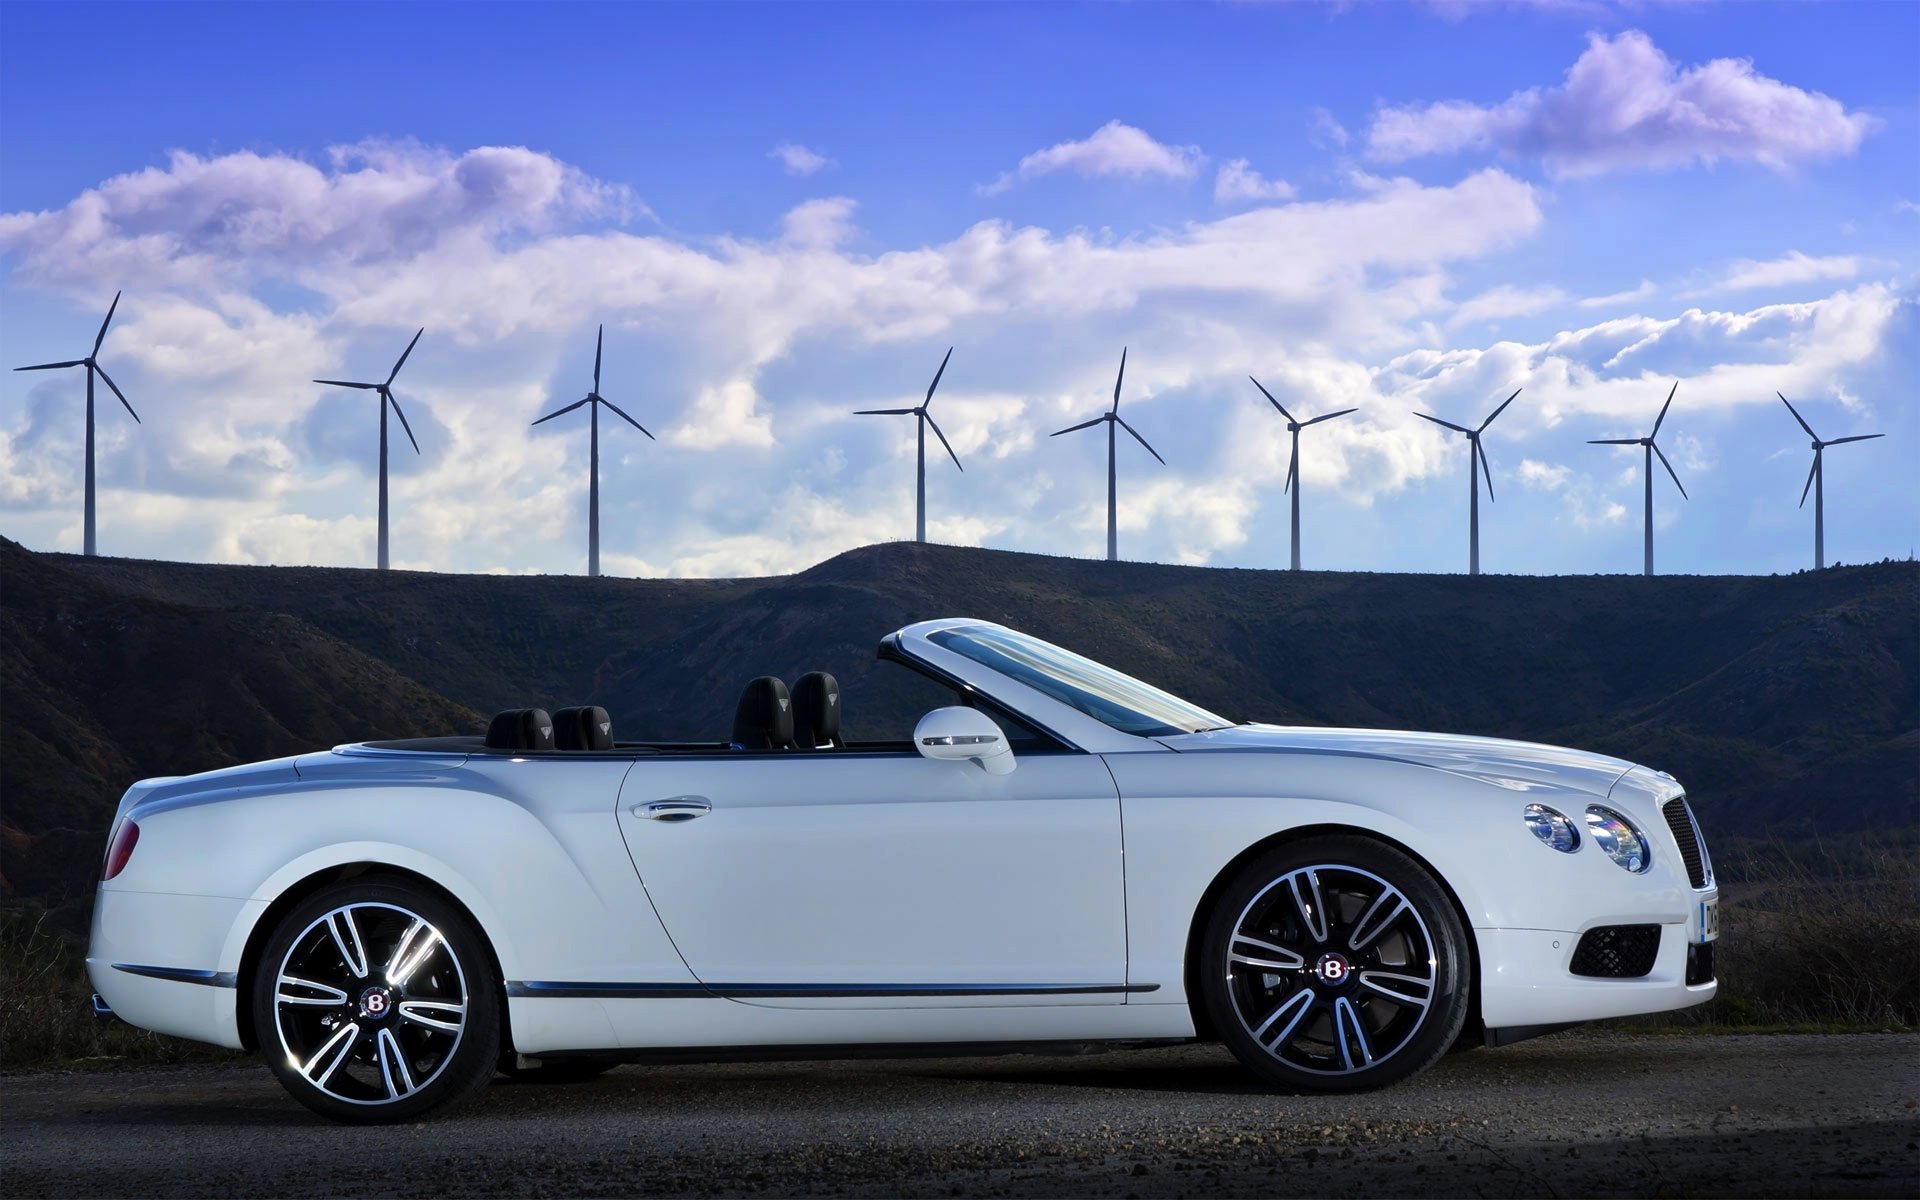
(561,412)
(368,387)
(943,440)
(1498,411)
(1269,396)
(409,350)
(1670,471)
(1448,424)
(1293,465)
(883,412)
(78,362)
(102,335)
(1858,437)
(1081,425)
(598,339)
(629,420)
(1811,472)
(1613,441)
(1798,417)
(1330,416)
(1485,466)
(1136,437)
(388,397)
(1117,378)
(936,377)
(116,391)
(1663,410)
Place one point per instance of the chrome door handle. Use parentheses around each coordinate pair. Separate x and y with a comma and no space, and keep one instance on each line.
(679,808)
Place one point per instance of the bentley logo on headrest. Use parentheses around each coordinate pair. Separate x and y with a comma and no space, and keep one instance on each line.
(783,705)
(605,726)
(833,698)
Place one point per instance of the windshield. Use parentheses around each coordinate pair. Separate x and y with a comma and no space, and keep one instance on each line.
(1098,691)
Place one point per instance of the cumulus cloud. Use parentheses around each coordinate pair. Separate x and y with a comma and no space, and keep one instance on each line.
(1542,477)
(798,159)
(1645,291)
(1327,131)
(1116,150)
(1238,181)
(1626,106)
(1506,300)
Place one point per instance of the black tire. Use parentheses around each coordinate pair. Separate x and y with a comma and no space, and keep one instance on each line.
(556,1070)
(1347,1001)
(390,1013)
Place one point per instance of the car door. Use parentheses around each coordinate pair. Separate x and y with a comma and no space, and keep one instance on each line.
(850,878)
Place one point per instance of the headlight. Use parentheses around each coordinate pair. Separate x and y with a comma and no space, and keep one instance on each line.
(1616,835)
(1553,827)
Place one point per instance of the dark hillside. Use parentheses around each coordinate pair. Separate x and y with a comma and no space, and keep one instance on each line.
(99,688)
(1784,702)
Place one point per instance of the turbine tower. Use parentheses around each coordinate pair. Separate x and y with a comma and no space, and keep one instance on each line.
(1817,480)
(1477,458)
(1112,418)
(924,419)
(1651,449)
(1293,464)
(91,363)
(386,400)
(593,400)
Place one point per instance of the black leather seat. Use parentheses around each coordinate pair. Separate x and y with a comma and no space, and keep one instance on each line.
(816,711)
(521,729)
(582,729)
(763,719)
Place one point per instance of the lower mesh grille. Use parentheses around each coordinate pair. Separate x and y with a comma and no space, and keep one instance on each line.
(1617,951)
(1686,835)
(1699,964)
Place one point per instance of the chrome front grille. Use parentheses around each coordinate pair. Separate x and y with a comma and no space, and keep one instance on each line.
(1686,835)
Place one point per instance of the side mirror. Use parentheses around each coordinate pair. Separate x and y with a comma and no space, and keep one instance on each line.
(962,734)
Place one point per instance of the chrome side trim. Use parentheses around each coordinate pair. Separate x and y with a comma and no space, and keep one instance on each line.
(221,979)
(743,991)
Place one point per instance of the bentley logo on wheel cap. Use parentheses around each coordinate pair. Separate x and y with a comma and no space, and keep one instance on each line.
(1332,969)
(375,1002)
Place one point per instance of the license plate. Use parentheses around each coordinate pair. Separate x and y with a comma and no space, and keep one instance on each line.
(1709,920)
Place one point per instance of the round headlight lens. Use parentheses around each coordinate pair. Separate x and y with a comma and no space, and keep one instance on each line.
(1553,827)
(1616,835)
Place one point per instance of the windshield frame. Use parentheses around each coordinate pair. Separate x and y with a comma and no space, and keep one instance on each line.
(1118,701)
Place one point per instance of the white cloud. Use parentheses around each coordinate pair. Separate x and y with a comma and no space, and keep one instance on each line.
(1794,269)
(1542,477)
(798,159)
(1645,291)
(1506,300)
(1627,106)
(819,224)
(1327,131)
(1116,150)
(1238,181)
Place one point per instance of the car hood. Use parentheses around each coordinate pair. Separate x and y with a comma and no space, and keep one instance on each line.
(1519,766)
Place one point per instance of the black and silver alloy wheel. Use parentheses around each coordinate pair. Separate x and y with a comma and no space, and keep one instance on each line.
(374,1002)
(1336,964)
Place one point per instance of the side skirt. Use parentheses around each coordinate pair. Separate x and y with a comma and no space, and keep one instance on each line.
(669,1055)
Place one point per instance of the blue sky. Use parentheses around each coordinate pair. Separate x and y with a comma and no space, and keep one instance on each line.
(784,213)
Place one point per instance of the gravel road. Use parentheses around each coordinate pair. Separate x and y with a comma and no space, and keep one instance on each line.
(1576,1114)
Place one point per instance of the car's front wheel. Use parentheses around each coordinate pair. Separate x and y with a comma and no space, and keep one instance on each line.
(1335,964)
(374,1001)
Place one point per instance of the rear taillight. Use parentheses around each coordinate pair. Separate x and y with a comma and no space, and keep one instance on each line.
(125,839)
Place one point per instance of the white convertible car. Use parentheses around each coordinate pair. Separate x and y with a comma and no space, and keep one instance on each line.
(1061,855)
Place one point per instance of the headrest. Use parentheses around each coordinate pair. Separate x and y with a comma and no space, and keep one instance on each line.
(816,710)
(521,729)
(582,729)
(764,719)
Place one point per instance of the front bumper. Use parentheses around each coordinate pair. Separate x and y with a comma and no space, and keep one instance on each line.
(1527,977)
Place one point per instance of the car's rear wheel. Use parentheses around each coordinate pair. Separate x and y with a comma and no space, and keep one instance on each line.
(1335,964)
(376,1001)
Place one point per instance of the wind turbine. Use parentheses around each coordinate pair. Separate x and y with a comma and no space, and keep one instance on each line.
(1112,418)
(1817,480)
(594,400)
(91,363)
(924,419)
(1293,465)
(386,400)
(1651,450)
(1477,458)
